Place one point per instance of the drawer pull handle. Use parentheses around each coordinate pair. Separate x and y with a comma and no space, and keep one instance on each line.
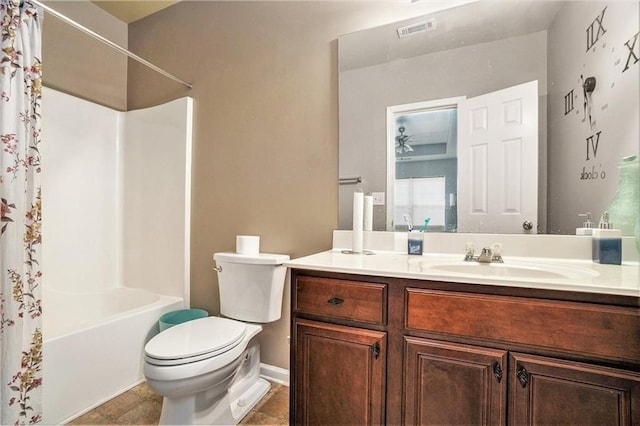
(375,350)
(335,301)
(523,376)
(497,371)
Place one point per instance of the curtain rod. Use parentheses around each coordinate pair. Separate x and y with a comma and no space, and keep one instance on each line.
(110,43)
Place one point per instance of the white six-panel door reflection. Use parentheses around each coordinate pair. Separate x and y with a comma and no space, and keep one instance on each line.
(498,161)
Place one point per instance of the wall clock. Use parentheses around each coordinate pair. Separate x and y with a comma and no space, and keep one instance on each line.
(608,56)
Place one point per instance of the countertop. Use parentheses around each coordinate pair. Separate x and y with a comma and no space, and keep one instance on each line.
(530,272)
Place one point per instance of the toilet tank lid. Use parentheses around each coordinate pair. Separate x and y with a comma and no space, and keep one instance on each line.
(256,259)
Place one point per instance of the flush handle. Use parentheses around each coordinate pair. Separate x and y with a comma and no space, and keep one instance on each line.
(335,301)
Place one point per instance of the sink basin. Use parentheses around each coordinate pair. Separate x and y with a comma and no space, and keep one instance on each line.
(523,270)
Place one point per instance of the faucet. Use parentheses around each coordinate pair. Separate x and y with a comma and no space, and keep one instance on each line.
(487,255)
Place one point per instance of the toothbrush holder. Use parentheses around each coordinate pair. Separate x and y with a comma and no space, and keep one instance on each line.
(415,243)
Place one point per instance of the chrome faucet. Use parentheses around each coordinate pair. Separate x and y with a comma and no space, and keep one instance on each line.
(487,255)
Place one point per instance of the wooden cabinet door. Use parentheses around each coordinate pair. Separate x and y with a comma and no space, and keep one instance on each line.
(556,392)
(453,384)
(339,374)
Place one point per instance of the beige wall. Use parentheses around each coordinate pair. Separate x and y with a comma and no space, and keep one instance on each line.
(79,65)
(265,136)
(266,115)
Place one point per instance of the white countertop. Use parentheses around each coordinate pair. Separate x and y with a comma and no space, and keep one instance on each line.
(530,272)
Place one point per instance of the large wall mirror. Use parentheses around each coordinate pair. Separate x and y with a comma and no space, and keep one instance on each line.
(419,97)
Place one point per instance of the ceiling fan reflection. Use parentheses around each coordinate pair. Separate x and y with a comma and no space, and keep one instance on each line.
(402,145)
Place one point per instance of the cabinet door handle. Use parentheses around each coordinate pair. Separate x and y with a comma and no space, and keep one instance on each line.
(335,301)
(523,376)
(375,349)
(497,371)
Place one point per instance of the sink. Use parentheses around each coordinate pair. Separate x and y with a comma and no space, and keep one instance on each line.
(524,270)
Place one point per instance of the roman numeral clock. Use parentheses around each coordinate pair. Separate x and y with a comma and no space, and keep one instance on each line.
(609,55)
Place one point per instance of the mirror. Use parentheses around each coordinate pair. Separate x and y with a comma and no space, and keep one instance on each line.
(484,47)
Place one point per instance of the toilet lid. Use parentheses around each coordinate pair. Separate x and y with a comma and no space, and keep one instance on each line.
(195,340)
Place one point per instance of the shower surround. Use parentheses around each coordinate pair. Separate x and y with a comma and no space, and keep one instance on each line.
(116,218)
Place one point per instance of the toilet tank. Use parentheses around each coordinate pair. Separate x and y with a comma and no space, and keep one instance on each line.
(251,286)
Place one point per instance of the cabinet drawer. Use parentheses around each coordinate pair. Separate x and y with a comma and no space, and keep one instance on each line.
(352,300)
(608,332)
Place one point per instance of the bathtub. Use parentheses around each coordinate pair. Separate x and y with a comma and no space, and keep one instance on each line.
(93,346)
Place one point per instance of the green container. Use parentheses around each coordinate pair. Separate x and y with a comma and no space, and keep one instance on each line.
(172,318)
(624,210)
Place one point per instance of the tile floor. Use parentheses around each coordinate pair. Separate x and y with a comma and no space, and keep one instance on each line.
(141,406)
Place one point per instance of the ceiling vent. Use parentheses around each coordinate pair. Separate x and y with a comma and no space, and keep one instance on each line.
(416,28)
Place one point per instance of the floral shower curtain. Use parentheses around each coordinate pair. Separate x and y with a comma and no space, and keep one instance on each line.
(20,239)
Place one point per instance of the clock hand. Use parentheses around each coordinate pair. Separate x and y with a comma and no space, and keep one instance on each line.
(588,87)
(584,98)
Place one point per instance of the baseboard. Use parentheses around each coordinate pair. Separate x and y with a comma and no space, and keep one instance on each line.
(274,374)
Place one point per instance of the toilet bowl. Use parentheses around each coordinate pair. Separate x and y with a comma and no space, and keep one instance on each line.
(208,369)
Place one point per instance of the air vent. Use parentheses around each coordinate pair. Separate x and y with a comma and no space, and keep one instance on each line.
(416,28)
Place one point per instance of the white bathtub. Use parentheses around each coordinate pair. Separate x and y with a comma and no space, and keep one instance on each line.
(93,346)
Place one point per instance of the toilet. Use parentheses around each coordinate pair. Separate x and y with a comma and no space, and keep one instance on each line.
(208,370)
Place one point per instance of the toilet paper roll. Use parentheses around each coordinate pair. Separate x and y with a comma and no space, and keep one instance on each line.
(358,213)
(368,213)
(248,244)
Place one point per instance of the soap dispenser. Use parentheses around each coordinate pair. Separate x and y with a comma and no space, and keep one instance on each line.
(587,225)
(606,243)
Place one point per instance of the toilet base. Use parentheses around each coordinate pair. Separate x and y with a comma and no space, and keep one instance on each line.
(213,407)
(241,406)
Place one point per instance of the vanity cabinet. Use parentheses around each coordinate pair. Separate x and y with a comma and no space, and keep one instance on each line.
(340,374)
(552,391)
(339,360)
(447,383)
(460,384)
(456,353)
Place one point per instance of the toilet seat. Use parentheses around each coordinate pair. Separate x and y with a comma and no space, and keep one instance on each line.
(194,341)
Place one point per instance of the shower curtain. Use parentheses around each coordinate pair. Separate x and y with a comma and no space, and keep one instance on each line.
(20,238)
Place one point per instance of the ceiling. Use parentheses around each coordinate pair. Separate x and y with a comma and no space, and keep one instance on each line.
(474,23)
(130,11)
